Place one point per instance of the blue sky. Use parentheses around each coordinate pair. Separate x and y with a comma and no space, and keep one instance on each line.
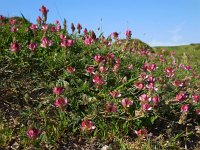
(157,22)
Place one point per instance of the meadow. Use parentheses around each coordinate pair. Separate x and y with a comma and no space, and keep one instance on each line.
(64,87)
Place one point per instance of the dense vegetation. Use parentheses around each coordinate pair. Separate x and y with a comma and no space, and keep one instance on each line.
(73,89)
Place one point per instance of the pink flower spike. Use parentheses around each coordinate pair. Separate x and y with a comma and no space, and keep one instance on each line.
(128,33)
(60,102)
(144,98)
(185,108)
(44,10)
(90,69)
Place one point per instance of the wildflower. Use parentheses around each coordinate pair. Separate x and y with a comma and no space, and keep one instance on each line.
(67,43)
(98,80)
(33,132)
(181,96)
(146,107)
(141,132)
(102,69)
(130,66)
(116,68)
(169,72)
(144,98)
(58,90)
(151,79)
(32,46)
(14,29)
(90,69)
(15,47)
(155,100)
(12,21)
(185,108)
(115,35)
(115,94)
(60,102)
(87,125)
(62,37)
(45,27)
(88,41)
(126,103)
(72,27)
(70,69)
(33,27)
(79,27)
(151,67)
(196,98)
(110,107)
(39,20)
(139,85)
(128,33)
(177,83)
(98,58)
(44,11)
(46,43)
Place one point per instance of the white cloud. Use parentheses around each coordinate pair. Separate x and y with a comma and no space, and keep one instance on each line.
(166,43)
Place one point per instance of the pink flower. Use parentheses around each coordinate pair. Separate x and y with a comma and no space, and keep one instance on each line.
(90,69)
(115,94)
(98,58)
(181,96)
(60,102)
(146,107)
(15,47)
(102,69)
(45,27)
(156,100)
(185,108)
(33,133)
(46,43)
(66,43)
(141,132)
(110,107)
(116,68)
(63,37)
(98,80)
(151,67)
(151,79)
(87,125)
(178,83)
(44,10)
(33,27)
(58,90)
(128,33)
(115,35)
(187,68)
(88,41)
(12,21)
(144,98)
(126,103)
(14,29)
(39,20)
(70,69)
(130,66)
(32,46)
(196,98)
(169,72)
(139,85)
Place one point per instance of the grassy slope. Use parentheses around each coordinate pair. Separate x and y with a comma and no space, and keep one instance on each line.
(187,54)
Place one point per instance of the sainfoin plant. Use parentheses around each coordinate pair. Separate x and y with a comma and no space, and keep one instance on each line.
(76,87)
